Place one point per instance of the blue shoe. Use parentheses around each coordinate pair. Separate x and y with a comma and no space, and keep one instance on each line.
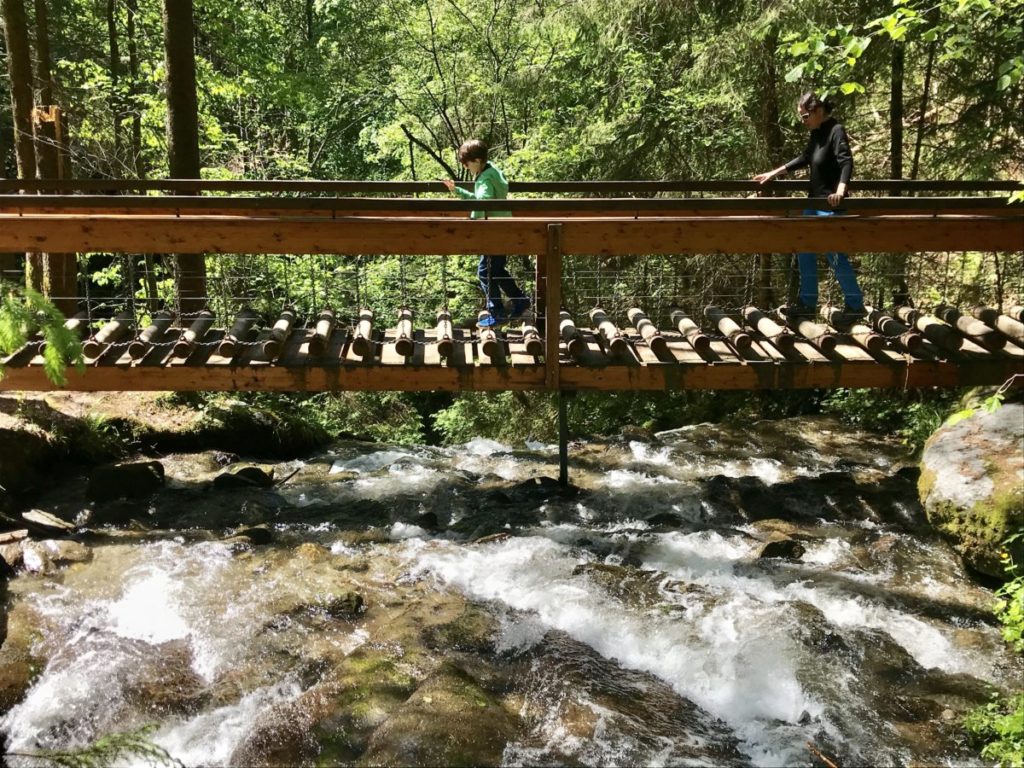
(489,320)
(519,307)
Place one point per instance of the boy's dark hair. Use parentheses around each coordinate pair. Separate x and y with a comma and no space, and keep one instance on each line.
(811,101)
(474,149)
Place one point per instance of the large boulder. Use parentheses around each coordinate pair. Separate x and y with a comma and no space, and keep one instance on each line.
(972,485)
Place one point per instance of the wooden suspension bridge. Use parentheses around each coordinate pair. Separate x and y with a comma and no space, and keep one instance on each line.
(710,347)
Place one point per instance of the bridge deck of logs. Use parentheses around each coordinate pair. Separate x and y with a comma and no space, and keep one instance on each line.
(747,350)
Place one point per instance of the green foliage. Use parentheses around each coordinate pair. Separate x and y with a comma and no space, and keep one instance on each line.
(913,415)
(106,751)
(1009,605)
(999,725)
(509,417)
(24,312)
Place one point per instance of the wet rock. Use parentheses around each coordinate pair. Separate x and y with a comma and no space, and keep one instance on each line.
(257,535)
(19,662)
(631,585)
(474,630)
(11,554)
(63,551)
(245,477)
(119,481)
(162,680)
(449,720)
(491,538)
(35,559)
(972,485)
(281,737)
(223,458)
(789,549)
(41,520)
(347,605)
(311,552)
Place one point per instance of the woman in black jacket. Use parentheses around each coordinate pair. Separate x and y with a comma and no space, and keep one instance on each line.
(831,162)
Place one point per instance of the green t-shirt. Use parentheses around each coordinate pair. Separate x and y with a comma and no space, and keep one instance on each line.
(490,184)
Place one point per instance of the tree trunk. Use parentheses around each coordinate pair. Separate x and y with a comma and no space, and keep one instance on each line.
(896,111)
(898,261)
(115,82)
(133,90)
(775,146)
(59,280)
(19,67)
(183,135)
(915,166)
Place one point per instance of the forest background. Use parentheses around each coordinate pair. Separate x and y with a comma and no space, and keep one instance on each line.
(561,90)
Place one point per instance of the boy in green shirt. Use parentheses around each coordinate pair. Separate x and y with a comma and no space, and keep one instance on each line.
(494,277)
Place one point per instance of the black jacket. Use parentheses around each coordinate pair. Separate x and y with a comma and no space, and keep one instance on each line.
(828,153)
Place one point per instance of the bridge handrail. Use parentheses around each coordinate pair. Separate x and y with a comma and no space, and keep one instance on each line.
(549,187)
(738,205)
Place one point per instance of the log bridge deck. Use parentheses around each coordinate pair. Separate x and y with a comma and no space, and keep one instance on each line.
(745,351)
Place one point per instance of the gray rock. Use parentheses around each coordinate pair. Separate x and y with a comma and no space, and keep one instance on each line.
(972,485)
(117,481)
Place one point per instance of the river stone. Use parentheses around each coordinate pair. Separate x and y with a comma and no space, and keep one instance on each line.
(19,664)
(133,480)
(789,549)
(633,586)
(449,720)
(473,630)
(972,485)
(245,477)
(62,551)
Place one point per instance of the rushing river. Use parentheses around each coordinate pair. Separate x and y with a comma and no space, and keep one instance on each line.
(426,605)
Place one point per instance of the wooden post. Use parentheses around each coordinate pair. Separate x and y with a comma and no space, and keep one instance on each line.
(563,438)
(778,335)
(188,340)
(858,331)
(279,333)
(729,328)
(404,344)
(118,329)
(568,333)
(443,333)
(617,344)
(322,332)
(1002,323)
(552,304)
(152,334)
(362,340)
(690,330)
(988,337)
(911,340)
(648,330)
(239,333)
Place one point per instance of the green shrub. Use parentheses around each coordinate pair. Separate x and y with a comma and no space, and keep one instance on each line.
(912,415)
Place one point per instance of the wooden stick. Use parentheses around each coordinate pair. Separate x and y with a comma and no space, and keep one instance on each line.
(154,332)
(858,331)
(568,332)
(616,342)
(118,329)
(818,754)
(911,340)
(78,325)
(187,341)
(819,335)
(778,335)
(490,345)
(282,328)
(403,343)
(729,328)
(1007,325)
(317,344)
(932,329)
(362,341)
(648,330)
(238,334)
(974,329)
(1016,312)
(690,330)
(444,334)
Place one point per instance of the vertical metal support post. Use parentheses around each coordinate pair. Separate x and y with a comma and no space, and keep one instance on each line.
(552,305)
(563,438)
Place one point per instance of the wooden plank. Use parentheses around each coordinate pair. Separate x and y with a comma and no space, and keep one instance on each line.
(606,236)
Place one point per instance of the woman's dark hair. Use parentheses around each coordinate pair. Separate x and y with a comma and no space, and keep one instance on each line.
(474,149)
(811,101)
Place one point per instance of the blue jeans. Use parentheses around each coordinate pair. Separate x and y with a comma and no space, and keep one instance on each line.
(808,263)
(495,280)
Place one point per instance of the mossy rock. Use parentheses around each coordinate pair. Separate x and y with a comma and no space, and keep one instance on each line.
(972,486)
(473,630)
(450,720)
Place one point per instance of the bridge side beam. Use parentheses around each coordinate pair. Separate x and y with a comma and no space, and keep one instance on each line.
(596,236)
